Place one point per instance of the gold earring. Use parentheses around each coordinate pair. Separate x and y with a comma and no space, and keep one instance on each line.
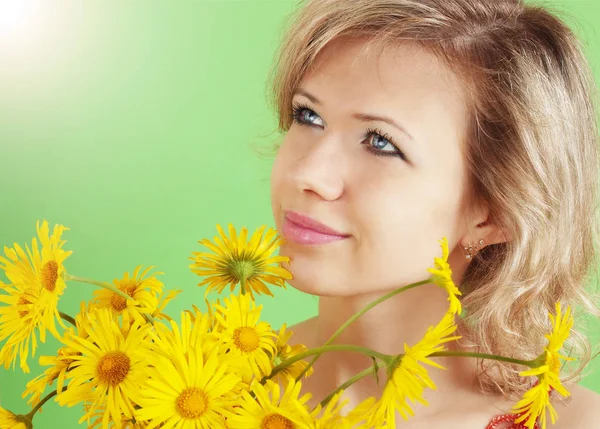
(472,249)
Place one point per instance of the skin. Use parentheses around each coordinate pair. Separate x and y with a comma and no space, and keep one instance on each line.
(393,210)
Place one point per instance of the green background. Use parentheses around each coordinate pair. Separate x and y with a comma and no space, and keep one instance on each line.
(135,125)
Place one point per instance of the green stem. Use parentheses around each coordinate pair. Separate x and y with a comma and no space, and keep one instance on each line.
(529,363)
(68,318)
(348,383)
(108,286)
(325,349)
(39,405)
(243,284)
(97,283)
(357,315)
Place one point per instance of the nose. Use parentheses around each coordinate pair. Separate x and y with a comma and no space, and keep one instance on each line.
(320,171)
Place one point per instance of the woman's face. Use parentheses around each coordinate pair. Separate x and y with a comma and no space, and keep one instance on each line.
(386,193)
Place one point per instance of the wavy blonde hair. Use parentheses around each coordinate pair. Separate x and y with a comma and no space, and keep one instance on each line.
(532,153)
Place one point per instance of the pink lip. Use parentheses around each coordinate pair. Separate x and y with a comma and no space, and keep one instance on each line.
(304,230)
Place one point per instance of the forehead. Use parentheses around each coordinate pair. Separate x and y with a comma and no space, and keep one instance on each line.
(404,81)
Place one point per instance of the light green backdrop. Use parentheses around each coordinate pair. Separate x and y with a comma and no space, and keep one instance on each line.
(132,123)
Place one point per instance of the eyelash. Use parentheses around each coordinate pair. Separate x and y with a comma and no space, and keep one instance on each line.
(297,109)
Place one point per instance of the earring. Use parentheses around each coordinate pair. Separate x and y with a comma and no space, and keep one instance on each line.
(472,249)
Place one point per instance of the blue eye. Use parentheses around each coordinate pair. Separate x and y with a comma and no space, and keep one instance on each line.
(376,142)
(303,115)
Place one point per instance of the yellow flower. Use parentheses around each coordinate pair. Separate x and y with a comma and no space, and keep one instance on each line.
(271,410)
(409,377)
(283,352)
(234,261)
(37,283)
(144,291)
(48,265)
(536,400)
(96,417)
(163,300)
(61,362)
(193,333)
(9,420)
(245,336)
(19,319)
(190,385)
(111,368)
(442,276)
(330,416)
(59,365)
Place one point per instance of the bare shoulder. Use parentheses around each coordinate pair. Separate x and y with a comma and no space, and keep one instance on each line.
(301,332)
(582,410)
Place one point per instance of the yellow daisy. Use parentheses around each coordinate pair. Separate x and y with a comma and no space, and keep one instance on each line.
(193,333)
(234,260)
(41,273)
(48,264)
(112,367)
(536,400)
(163,299)
(19,318)
(331,416)
(245,336)
(9,420)
(409,377)
(188,388)
(213,326)
(283,352)
(442,276)
(96,417)
(59,365)
(266,408)
(144,290)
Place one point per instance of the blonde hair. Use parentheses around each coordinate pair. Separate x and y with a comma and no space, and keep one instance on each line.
(532,153)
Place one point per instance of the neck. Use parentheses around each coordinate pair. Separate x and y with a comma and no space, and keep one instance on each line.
(401,319)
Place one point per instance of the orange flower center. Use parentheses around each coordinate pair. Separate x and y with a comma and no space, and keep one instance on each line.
(113,367)
(50,275)
(276,421)
(192,403)
(119,303)
(553,363)
(246,339)
(23,301)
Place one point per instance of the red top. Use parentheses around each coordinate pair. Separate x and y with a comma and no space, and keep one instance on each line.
(498,422)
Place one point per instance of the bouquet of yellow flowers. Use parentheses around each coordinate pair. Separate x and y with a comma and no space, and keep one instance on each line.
(130,365)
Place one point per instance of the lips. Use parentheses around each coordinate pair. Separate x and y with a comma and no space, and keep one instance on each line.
(305,230)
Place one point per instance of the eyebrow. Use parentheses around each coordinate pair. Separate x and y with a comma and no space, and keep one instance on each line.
(364,117)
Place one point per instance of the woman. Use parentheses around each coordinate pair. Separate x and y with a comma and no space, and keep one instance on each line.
(409,120)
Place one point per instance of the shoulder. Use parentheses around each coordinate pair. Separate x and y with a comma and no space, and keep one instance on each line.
(582,411)
(303,333)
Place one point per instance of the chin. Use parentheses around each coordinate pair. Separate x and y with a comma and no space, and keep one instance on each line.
(318,270)
(319,282)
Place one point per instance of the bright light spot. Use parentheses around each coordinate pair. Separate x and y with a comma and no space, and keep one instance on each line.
(16,17)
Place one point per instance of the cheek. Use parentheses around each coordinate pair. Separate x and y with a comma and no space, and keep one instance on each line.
(402,224)
(280,185)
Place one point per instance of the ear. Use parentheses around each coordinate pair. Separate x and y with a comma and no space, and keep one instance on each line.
(481,226)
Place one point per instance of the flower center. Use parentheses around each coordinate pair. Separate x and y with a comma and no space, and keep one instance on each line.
(117,302)
(23,301)
(192,403)
(246,339)
(553,363)
(50,275)
(113,367)
(276,421)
